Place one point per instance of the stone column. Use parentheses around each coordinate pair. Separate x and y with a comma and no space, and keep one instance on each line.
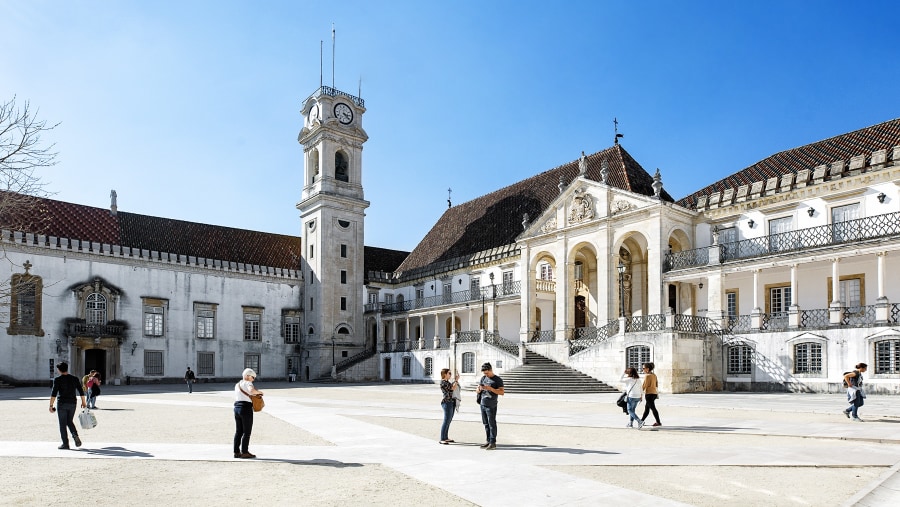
(882,304)
(836,312)
(527,297)
(794,308)
(756,314)
(564,282)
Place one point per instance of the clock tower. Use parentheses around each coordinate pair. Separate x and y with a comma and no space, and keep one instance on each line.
(332,213)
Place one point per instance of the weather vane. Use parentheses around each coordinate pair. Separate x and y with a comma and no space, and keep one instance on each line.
(616,127)
(449,204)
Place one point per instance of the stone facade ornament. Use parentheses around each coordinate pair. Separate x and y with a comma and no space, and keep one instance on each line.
(621,206)
(582,207)
(582,165)
(604,171)
(549,225)
(561,185)
(657,184)
(525,221)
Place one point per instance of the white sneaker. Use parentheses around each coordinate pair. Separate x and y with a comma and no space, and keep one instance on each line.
(640,424)
(857,419)
(629,425)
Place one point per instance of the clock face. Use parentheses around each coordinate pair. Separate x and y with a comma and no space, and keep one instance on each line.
(343,113)
(313,114)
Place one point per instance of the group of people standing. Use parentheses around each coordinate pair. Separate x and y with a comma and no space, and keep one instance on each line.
(91,384)
(489,389)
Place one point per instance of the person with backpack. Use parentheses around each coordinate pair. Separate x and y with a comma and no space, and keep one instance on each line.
(93,385)
(853,381)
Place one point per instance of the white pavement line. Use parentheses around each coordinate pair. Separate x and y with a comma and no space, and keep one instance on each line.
(487,478)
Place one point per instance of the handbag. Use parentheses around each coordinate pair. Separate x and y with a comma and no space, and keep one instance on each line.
(621,401)
(479,393)
(255,399)
(87,419)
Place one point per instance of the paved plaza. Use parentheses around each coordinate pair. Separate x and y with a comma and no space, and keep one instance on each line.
(377,444)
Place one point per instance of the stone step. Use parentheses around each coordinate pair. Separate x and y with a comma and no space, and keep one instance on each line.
(542,375)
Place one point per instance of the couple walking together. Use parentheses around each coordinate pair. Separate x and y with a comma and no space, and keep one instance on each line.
(635,391)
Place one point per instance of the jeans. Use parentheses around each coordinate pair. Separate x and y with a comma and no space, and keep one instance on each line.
(651,405)
(190,386)
(65,412)
(243,426)
(855,403)
(489,418)
(632,404)
(87,397)
(92,401)
(449,407)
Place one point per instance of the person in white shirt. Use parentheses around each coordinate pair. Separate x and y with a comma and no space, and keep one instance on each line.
(243,414)
(633,394)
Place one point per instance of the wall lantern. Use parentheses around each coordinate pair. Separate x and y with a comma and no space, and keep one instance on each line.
(751,223)
(881,197)
(810,211)
(701,285)
(133,347)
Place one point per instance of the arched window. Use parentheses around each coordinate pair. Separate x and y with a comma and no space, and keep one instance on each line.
(341,167)
(637,355)
(343,330)
(468,362)
(429,366)
(95,309)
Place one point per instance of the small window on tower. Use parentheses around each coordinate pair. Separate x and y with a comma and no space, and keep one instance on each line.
(340,167)
(344,251)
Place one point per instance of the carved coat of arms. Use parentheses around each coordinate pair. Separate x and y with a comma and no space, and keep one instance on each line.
(582,207)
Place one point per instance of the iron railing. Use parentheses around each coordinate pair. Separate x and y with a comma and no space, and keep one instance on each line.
(468,336)
(354,359)
(401,346)
(464,296)
(775,321)
(334,92)
(850,231)
(501,343)
(895,313)
(737,323)
(815,319)
(641,323)
(96,330)
(858,316)
(694,324)
(542,336)
(583,338)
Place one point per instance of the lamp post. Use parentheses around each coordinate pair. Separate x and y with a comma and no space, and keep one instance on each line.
(621,269)
(493,290)
(332,351)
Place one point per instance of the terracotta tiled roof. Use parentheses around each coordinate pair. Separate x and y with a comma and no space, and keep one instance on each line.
(87,223)
(860,142)
(382,259)
(495,219)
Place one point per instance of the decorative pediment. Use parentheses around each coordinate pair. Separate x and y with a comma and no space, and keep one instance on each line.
(549,225)
(620,206)
(581,208)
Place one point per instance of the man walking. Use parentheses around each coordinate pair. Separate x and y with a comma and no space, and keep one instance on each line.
(490,388)
(189,379)
(64,390)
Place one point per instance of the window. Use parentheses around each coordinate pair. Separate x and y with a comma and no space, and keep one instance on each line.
(344,303)
(344,251)
(474,286)
(499,364)
(779,301)
(468,362)
(808,358)
(447,294)
(841,220)
(154,317)
(507,282)
(637,355)
(312,251)
(252,361)
(311,304)
(343,276)
(291,326)
(546,271)
(887,356)
(407,366)
(153,362)
(429,366)
(579,271)
(25,304)
(292,365)
(95,309)
(206,363)
(206,320)
(739,359)
(252,318)
(731,304)
(340,166)
(851,292)
(388,298)
(727,238)
(778,239)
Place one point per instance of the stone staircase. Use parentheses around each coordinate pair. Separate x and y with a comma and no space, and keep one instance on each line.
(541,375)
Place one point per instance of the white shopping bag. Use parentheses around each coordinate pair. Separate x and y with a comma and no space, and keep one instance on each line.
(87,419)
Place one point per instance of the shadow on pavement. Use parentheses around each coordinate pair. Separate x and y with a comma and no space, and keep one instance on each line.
(119,452)
(701,429)
(542,448)
(313,462)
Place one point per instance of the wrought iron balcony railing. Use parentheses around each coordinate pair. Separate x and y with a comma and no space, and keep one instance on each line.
(542,336)
(645,323)
(850,231)
(468,336)
(501,343)
(586,337)
(95,330)
(334,92)
(464,296)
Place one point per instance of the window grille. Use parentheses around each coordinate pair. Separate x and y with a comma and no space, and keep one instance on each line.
(468,362)
(636,356)
(808,358)
(153,362)
(407,366)
(429,366)
(153,321)
(251,326)
(739,359)
(887,356)
(206,363)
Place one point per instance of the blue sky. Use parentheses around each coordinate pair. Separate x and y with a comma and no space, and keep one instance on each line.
(190,110)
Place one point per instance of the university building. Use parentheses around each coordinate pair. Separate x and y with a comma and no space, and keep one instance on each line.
(777,277)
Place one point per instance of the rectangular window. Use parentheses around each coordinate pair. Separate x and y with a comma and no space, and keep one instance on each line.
(636,356)
(312,250)
(468,362)
(343,276)
(507,282)
(310,304)
(779,301)
(731,304)
(291,327)
(25,304)
(546,272)
(778,238)
(739,359)
(474,286)
(252,319)
(343,303)
(447,294)
(206,363)
(344,251)
(842,223)
(252,361)
(850,294)
(205,317)
(153,362)
(808,358)
(388,298)
(407,366)
(153,319)
(887,356)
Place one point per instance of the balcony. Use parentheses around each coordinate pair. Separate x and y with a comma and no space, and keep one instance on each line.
(453,298)
(841,233)
(94,330)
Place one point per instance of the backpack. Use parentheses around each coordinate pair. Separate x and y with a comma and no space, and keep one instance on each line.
(854,381)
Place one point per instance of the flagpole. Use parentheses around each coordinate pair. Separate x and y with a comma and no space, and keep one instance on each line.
(332,55)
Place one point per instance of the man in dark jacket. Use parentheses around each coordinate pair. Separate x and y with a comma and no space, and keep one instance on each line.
(65,389)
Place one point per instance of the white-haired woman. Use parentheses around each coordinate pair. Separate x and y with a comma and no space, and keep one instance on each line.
(243,414)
